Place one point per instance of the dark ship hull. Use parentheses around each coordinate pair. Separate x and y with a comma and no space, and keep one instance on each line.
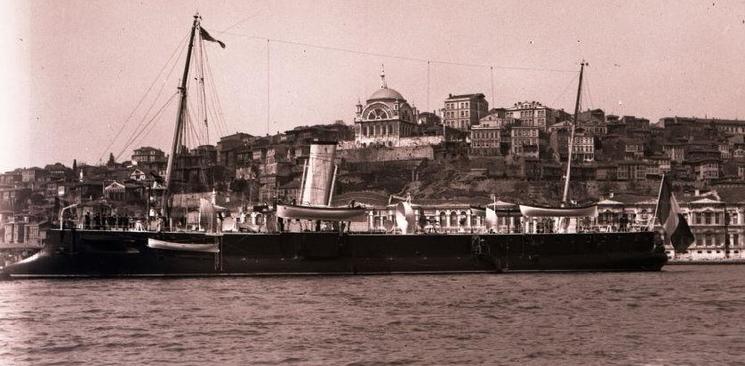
(72,253)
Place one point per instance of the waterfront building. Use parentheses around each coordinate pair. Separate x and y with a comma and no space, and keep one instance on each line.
(465,110)
(123,192)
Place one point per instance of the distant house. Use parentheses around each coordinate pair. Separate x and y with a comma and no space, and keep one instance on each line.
(122,192)
(137,175)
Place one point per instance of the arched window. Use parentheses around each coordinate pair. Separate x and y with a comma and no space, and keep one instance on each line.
(377,113)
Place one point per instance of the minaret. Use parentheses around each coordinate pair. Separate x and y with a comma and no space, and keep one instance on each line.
(383,85)
(359,108)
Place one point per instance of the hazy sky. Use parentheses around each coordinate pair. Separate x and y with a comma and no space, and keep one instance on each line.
(73,71)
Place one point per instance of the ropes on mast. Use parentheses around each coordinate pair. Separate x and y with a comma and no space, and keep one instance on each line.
(139,133)
(142,99)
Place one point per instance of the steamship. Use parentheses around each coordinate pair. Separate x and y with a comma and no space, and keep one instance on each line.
(275,250)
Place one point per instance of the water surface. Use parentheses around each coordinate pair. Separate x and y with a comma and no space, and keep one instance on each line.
(682,315)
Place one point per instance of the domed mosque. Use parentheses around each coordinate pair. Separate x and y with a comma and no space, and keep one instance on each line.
(385,119)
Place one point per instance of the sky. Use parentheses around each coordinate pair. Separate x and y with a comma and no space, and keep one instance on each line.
(74,71)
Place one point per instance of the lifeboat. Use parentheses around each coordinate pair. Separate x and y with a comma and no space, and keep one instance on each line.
(537,211)
(183,247)
(356,214)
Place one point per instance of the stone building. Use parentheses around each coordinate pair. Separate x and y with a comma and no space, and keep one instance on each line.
(150,159)
(466,110)
(385,118)
(486,138)
(534,114)
(525,141)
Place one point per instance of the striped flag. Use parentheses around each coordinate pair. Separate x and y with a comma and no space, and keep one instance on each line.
(677,232)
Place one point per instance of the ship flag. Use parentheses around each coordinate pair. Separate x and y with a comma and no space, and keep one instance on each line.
(207,37)
(677,232)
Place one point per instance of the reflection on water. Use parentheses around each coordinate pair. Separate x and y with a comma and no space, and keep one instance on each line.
(683,315)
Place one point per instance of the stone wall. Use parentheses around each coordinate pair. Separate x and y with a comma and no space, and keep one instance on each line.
(378,154)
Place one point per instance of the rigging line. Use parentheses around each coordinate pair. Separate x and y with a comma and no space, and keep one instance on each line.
(428,85)
(211,101)
(563,92)
(143,123)
(139,103)
(152,127)
(240,22)
(157,114)
(148,124)
(191,140)
(188,135)
(268,106)
(191,101)
(200,137)
(155,100)
(213,93)
(589,92)
(406,58)
(491,73)
(201,85)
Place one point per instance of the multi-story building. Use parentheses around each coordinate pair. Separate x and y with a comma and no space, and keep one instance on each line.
(534,114)
(675,151)
(631,170)
(658,165)
(11,178)
(150,159)
(498,117)
(583,147)
(148,154)
(633,149)
(230,146)
(525,141)
(486,138)
(464,111)
(385,118)
(729,126)
(34,175)
(704,169)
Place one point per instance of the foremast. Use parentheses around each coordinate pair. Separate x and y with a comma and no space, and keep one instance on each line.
(567,176)
(177,137)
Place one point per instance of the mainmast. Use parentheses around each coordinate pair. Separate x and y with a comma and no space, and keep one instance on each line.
(571,137)
(179,119)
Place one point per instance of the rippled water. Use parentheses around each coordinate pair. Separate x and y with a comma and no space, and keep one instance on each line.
(683,315)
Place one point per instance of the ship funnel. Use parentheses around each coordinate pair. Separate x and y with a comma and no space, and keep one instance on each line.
(319,174)
(405,219)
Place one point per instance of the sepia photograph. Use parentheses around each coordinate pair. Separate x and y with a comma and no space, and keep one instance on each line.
(428,182)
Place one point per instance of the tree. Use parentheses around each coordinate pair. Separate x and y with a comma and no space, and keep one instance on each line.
(111,161)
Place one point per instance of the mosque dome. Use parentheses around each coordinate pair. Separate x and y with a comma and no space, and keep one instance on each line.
(386,93)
